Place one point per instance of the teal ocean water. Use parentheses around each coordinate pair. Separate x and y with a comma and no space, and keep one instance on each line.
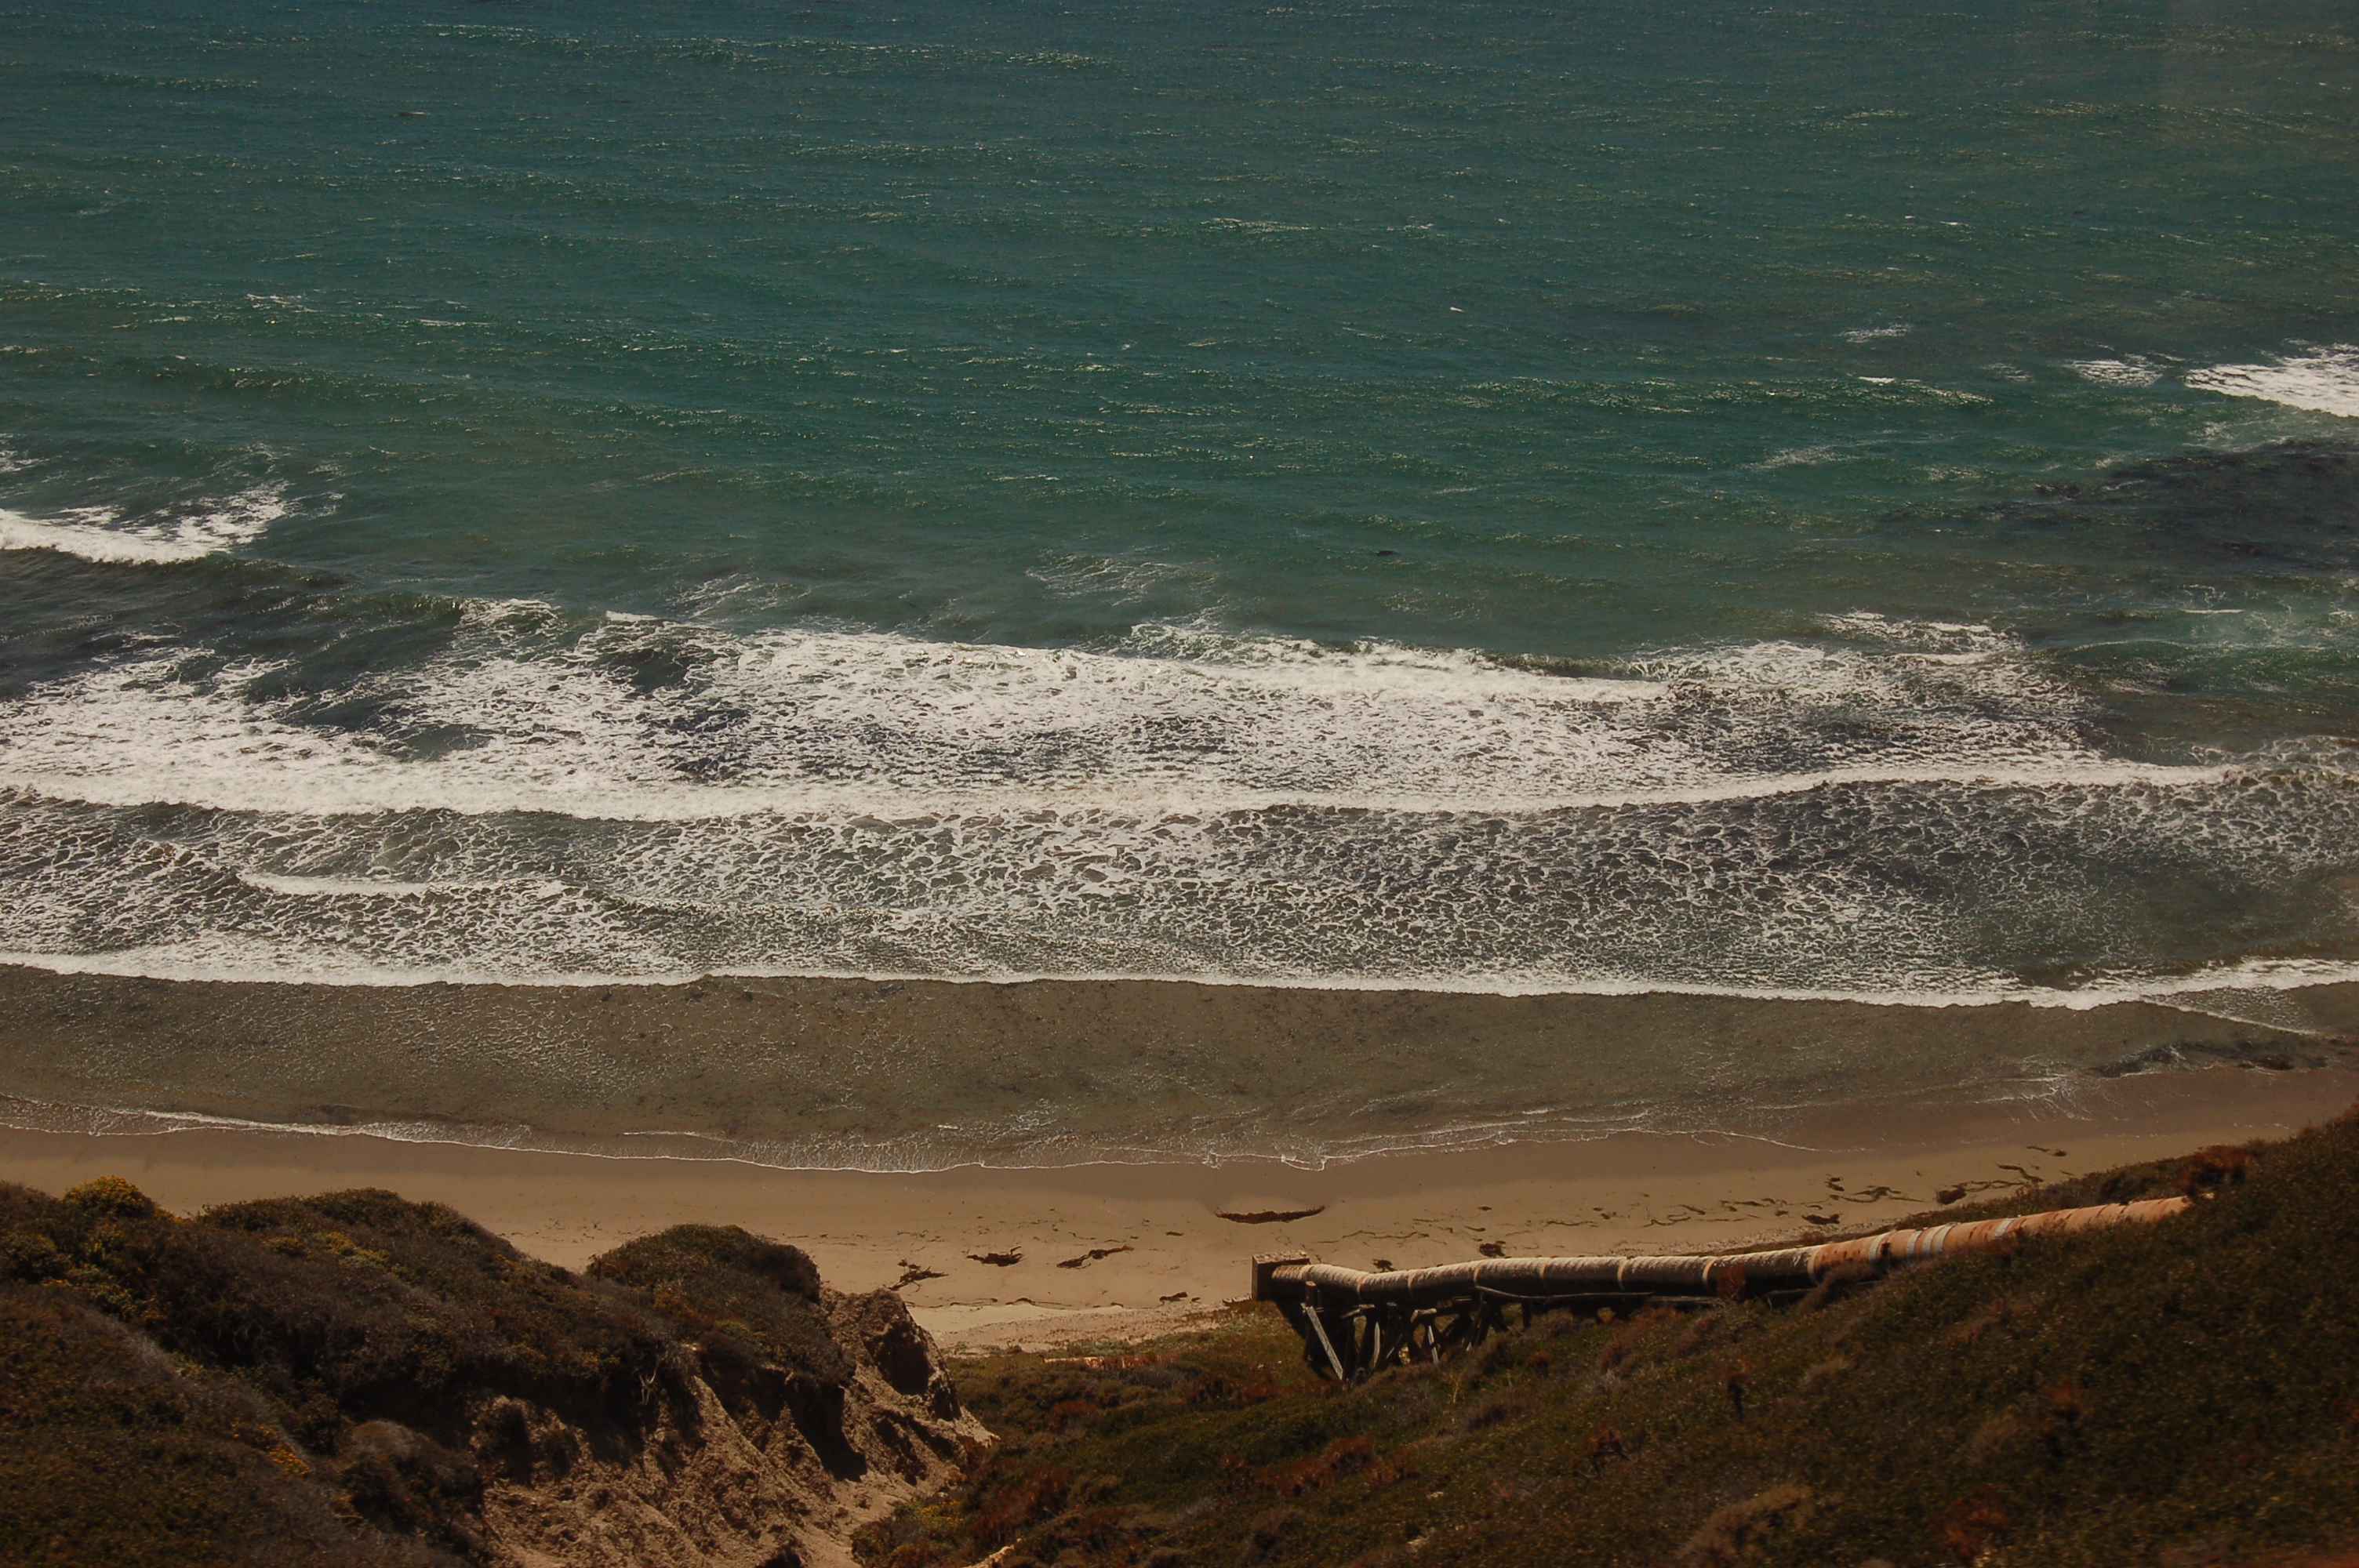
(1859,502)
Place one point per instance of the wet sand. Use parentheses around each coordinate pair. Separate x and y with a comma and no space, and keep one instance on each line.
(884,1074)
(1163,1247)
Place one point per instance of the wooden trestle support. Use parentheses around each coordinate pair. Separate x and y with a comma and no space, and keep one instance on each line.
(1353,1323)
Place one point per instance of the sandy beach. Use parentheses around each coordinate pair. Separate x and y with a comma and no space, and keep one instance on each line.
(1069,1149)
(1106,1249)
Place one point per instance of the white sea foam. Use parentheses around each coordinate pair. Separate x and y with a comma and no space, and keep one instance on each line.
(1806,457)
(1832,815)
(379,887)
(2134,371)
(1177,719)
(96,534)
(2255,992)
(2324,381)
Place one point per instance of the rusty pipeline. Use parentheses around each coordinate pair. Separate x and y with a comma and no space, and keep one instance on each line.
(1351,1320)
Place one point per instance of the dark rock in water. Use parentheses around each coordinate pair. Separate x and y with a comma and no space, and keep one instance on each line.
(699,1397)
(2289,507)
(2297,502)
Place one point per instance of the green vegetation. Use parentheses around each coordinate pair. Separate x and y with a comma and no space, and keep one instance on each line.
(334,1380)
(2182,1394)
(760,1298)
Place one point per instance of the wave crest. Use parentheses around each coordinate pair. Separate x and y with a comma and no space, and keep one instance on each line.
(2324,381)
(97,533)
(634,718)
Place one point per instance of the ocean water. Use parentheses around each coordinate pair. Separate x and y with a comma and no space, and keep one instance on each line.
(1859,502)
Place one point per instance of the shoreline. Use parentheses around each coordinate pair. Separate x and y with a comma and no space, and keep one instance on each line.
(1162,1249)
(2254,980)
(1099,1130)
(915,1075)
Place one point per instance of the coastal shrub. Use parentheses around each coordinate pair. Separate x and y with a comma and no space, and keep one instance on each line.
(749,1302)
(1742,1532)
(384,1308)
(336,1378)
(109,1453)
(114,1197)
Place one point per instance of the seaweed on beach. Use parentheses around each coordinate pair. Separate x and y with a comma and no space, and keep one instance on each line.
(2184,1393)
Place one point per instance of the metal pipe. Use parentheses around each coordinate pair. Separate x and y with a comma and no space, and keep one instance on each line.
(1292,1279)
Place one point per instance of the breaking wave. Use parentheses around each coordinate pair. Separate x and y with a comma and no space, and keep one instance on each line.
(97,533)
(638,719)
(2324,381)
(1884,809)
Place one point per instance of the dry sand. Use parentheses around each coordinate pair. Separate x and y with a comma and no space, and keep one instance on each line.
(1107,1249)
